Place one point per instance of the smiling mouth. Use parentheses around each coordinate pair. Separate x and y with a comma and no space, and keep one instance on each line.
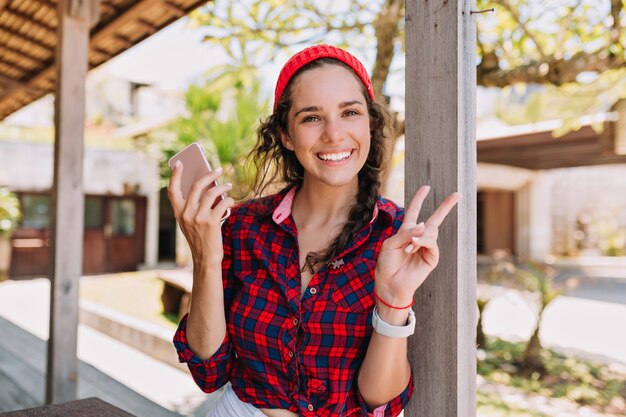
(335,157)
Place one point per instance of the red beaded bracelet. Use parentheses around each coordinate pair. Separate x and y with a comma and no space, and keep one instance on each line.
(389,305)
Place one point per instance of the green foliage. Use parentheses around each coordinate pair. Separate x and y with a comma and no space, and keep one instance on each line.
(580,381)
(10,213)
(223,114)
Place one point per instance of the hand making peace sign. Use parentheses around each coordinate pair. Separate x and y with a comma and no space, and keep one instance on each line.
(406,259)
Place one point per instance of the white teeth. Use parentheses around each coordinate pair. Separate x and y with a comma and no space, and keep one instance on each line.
(334,156)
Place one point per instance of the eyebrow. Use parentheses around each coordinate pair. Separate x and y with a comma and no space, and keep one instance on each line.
(315,108)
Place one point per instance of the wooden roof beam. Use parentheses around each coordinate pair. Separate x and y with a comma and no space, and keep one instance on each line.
(177,11)
(24,38)
(14,84)
(46,4)
(21,53)
(147,26)
(108,8)
(101,51)
(124,40)
(17,65)
(132,13)
(51,30)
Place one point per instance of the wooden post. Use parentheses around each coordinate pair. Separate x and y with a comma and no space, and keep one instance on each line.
(441,152)
(74,17)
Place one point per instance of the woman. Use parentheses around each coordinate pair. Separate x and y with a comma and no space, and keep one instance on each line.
(302,299)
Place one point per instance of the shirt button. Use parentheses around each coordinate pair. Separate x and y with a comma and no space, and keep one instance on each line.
(310,407)
(313,290)
(295,322)
(290,354)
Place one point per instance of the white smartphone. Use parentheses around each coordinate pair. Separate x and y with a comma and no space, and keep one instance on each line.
(195,166)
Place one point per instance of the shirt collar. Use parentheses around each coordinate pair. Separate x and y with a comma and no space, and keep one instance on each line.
(283,210)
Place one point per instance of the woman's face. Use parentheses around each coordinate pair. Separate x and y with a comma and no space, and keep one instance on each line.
(329,126)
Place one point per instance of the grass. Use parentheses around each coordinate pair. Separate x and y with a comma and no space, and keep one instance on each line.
(137,294)
(580,381)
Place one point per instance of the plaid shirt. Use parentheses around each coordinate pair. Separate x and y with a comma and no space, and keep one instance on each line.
(284,350)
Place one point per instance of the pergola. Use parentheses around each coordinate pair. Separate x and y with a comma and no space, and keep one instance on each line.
(49,45)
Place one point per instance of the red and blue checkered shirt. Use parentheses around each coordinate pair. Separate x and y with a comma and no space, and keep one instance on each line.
(284,350)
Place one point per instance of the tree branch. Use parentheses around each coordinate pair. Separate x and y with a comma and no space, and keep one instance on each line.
(552,70)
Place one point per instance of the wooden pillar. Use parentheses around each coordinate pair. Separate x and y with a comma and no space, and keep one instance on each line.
(441,152)
(74,21)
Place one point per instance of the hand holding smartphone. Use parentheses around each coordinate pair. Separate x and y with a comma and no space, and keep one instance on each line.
(195,166)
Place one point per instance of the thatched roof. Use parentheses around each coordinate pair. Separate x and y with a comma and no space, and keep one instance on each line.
(28,38)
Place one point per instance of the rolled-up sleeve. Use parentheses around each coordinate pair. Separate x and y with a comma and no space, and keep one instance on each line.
(210,374)
(393,408)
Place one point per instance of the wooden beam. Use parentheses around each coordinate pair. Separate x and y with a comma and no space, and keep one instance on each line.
(23,54)
(441,152)
(50,31)
(147,26)
(101,51)
(124,41)
(108,8)
(16,65)
(46,4)
(19,85)
(66,249)
(27,39)
(174,9)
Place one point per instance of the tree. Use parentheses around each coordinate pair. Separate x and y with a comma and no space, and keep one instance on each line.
(573,49)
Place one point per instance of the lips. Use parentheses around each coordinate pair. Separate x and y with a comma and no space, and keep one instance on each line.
(335,156)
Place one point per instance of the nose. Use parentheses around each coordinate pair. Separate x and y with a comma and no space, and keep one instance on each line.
(332,130)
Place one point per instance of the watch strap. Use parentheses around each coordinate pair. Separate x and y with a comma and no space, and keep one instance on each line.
(389,330)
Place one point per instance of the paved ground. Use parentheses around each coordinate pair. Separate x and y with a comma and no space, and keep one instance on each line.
(588,322)
(26,303)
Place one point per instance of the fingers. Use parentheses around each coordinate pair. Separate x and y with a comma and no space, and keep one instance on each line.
(418,242)
(403,237)
(412,212)
(211,198)
(442,211)
(199,187)
(174,190)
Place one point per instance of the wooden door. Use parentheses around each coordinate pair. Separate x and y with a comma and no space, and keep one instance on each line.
(124,231)
(496,221)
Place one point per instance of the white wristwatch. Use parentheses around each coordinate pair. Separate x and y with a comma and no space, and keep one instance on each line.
(389,330)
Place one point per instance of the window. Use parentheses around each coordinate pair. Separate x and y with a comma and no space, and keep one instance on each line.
(35,211)
(93,213)
(123,217)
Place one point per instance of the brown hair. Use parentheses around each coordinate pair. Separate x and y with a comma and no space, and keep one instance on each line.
(275,162)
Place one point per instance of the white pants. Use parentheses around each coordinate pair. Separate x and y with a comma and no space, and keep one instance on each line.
(229,405)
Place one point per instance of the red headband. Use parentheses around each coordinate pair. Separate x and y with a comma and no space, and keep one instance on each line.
(314,53)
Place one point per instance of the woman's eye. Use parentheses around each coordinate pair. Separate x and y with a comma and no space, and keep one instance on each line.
(310,119)
(350,113)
